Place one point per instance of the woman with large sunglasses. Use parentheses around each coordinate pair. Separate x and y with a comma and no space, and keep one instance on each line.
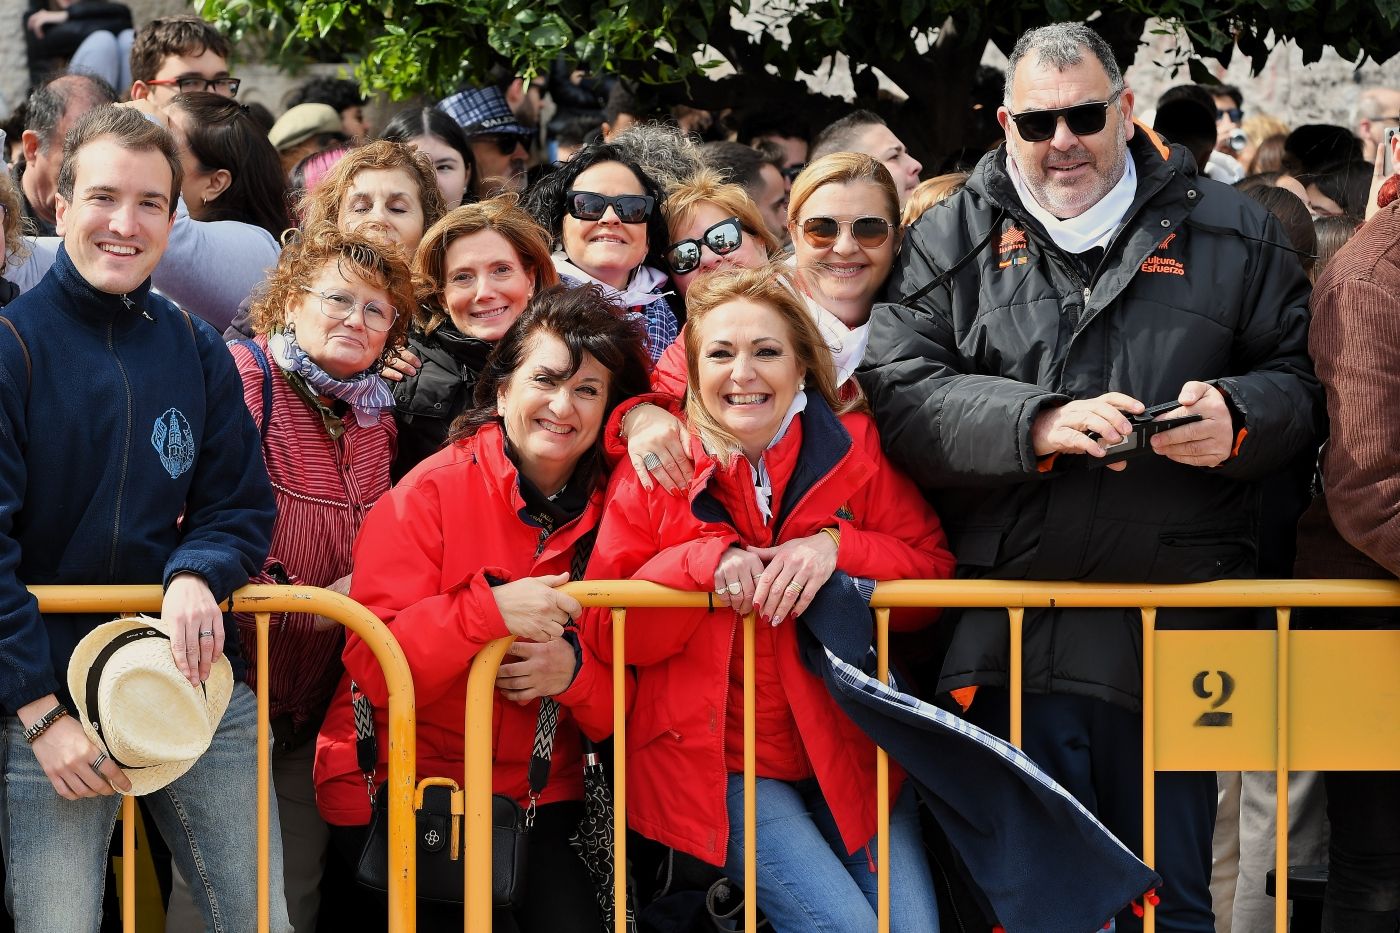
(603,214)
(844,216)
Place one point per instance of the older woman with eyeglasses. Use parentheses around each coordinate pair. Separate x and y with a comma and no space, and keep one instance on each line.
(603,213)
(844,218)
(328,315)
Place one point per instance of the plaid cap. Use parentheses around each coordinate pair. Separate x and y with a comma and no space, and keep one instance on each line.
(482,110)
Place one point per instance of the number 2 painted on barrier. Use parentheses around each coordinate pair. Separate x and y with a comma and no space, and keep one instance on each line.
(1215,716)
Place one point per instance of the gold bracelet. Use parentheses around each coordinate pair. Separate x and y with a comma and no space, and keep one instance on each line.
(835,536)
(622,422)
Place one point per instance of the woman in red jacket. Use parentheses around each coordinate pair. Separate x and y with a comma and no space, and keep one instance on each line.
(467,548)
(786,491)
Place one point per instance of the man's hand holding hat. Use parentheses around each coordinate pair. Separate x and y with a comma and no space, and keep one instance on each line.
(195,623)
(67,755)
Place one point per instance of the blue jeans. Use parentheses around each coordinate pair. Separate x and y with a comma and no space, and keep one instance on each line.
(807,882)
(56,850)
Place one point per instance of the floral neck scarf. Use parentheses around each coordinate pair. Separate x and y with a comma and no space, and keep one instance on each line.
(367,393)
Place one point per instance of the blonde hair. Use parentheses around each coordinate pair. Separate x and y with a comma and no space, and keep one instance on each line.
(767,286)
(501,215)
(322,203)
(15,247)
(843,168)
(930,192)
(706,187)
(370,259)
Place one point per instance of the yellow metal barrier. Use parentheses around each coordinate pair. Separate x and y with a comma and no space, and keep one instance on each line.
(262,601)
(1212,700)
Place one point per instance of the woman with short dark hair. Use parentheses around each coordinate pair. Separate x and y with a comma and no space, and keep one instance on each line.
(468,548)
(603,214)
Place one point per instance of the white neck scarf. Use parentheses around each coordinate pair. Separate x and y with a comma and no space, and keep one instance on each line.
(643,288)
(1094,227)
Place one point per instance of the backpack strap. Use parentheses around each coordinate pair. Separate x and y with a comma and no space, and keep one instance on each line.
(261,357)
(24,348)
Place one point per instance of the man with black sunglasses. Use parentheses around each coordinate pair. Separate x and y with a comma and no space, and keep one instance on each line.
(1084,274)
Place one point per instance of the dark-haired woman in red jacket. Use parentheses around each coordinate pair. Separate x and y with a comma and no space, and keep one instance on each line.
(786,491)
(467,548)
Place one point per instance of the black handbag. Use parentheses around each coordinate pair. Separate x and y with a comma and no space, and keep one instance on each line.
(439,807)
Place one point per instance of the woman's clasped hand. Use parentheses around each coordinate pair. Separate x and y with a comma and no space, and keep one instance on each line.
(776,582)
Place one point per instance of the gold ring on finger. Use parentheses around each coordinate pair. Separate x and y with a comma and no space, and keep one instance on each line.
(794,586)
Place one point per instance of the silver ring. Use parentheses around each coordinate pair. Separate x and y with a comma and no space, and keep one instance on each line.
(650,461)
(206,634)
(97,762)
(735,588)
(721,592)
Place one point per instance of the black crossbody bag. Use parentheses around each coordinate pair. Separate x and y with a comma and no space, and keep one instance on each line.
(439,808)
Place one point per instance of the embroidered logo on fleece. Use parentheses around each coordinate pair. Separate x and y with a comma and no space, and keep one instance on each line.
(1013,239)
(1164,265)
(174,442)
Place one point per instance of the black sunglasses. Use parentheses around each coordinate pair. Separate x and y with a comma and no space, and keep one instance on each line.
(1234,113)
(722,238)
(1036,126)
(590,205)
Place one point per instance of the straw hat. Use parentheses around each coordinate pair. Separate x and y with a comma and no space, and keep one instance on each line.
(136,706)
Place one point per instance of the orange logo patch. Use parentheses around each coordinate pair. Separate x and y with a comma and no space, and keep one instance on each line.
(1164,265)
(1013,238)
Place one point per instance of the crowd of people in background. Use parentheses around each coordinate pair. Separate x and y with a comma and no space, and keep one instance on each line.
(538,331)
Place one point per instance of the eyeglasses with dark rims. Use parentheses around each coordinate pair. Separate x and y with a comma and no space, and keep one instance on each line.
(190,84)
(722,238)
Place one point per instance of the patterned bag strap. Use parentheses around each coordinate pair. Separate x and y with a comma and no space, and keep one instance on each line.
(548,721)
(366,744)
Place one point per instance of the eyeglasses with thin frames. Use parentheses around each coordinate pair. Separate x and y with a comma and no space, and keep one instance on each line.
(190,84)
(376,315)
(823,232)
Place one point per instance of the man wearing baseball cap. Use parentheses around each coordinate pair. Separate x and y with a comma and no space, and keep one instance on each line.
(500,144)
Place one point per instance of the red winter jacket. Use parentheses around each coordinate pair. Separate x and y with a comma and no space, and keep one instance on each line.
(422,564)
(834,472)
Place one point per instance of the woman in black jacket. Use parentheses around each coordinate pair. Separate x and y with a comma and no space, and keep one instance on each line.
(478,266)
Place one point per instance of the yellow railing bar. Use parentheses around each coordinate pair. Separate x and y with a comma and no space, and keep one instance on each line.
(128,869)
(261,600)
(1149,754)
(882,783)
(1013,674)
(1013,595)
(481,693)
(263,621)
(750,782)
(619,622)
(1281,777)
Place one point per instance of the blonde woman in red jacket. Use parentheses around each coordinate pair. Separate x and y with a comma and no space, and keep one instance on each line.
(466,549)
(787,490)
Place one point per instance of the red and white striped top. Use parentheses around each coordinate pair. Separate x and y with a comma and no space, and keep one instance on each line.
(324,488)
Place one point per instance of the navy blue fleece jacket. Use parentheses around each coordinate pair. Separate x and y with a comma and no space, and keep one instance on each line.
(127,455)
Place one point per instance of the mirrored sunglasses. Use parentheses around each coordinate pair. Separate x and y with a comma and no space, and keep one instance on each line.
(722,238)
(590,205)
